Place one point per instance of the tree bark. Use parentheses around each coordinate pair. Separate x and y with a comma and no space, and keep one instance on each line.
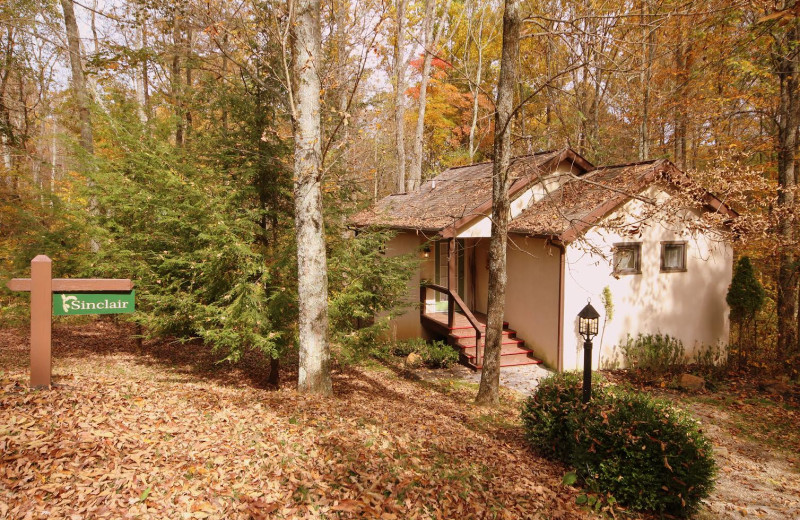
(475,89)
(274,379)
(430,42)
(6,129)
(312,274)
(488,392)
(648,35)
(399,96)
(787,70)
(78,79)
(140,80)
(175,79)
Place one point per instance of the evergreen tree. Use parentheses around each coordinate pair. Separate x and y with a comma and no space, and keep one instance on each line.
(745,298)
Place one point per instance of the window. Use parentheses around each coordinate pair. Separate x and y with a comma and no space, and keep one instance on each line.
(673,256)
(627,258)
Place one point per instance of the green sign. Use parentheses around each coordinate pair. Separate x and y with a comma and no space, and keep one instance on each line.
(69,304)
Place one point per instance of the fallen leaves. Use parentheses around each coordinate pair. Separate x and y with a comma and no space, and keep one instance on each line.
(136,435)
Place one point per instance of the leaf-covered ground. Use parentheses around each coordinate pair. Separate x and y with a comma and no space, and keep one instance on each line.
(163,432)
(756,438)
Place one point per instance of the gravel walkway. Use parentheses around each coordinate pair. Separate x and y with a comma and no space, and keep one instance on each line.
(524,378)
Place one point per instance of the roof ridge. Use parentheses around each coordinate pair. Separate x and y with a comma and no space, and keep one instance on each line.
(543,152)
(624,165)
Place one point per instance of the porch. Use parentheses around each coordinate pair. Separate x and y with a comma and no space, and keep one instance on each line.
(466,330)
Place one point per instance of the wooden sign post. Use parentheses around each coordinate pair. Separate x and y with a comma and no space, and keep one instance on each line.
(42,287)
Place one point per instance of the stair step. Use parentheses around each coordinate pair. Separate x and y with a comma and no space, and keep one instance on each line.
(483,326)
(471,333)
(506,341)
(506,350)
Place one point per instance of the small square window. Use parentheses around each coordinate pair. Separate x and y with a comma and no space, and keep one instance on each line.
(627,258)
(673,256)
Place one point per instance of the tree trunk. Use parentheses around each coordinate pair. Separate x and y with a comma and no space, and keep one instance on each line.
(187,86)
(145,75)
(399,96)
(274,379)
(78,79)
(648,35)
(475,89)
(6,130)
(488,393)
(176,90)
(431,41)
(682,79)
(787,118)
(139,80)
(312,275)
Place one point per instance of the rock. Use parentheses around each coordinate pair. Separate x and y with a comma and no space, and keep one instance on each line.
(690,382)
(414,360)
(776,386)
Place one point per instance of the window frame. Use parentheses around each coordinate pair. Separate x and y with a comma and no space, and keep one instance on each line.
(665,269)
(636,246)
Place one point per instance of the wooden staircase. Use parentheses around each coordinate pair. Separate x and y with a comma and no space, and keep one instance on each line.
(467,331)
(513,351)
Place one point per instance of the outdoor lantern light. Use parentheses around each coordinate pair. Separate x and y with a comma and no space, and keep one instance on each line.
(588,321)
(426,251)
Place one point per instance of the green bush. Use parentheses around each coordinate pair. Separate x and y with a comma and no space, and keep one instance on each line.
(644,453)
(439,354)
(435,354)
(656,353)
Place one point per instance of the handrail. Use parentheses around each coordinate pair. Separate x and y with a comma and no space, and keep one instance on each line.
(453,298)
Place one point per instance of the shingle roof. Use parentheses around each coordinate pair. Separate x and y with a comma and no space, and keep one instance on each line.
(460,194)
(580,202)
(440,202)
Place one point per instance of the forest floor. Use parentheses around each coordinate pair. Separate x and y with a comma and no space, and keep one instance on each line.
(756,439)
(163,431)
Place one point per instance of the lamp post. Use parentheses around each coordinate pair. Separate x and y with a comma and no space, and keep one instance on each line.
(588,320)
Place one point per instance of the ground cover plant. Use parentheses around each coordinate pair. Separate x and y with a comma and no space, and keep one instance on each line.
(434,354)
(640,451)
(657,354)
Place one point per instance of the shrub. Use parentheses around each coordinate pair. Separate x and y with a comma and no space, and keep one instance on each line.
(656,353)
(711,360)
(644,453)
(435,354)
(439,354)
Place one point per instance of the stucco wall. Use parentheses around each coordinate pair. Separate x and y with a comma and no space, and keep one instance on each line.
(687,305)
(408,325)
(532,295)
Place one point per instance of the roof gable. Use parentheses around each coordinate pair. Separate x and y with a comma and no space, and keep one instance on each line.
(580,203)
(459,195)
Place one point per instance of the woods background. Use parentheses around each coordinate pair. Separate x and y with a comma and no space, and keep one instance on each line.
(154,140)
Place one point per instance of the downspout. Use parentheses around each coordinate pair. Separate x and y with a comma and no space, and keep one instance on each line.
(561,264)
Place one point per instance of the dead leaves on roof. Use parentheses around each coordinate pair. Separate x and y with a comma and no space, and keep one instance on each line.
(129,437)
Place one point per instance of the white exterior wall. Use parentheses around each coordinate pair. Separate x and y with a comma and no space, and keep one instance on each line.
(687,305)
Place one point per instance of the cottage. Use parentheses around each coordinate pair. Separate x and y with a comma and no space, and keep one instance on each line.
(639,232)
